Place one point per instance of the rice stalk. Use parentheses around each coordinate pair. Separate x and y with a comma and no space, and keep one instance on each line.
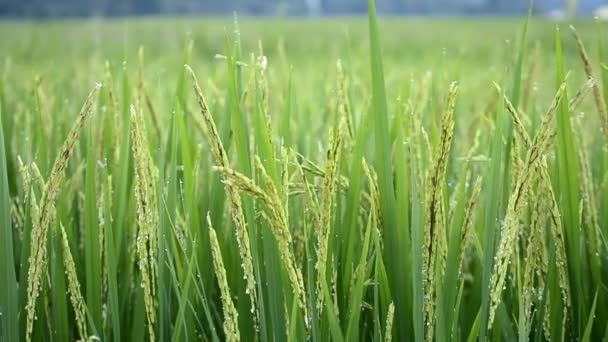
(236,208)
(344,108)
(557,236)
(18,217)
(517,201)
(142,93)
(314,169)
(261,65)
(334,287)
(285,177)
(231,326)
(421,144)
(37,175)
(102,256)
(26,179)
(44,219)
(537,255)
(276,217)
(435,248)
(520,129)
(109,86)
(279,224)
(589,201)
(529,85)
(521,140)
(310,207)
(76,298)
(146,178)
(311,200)
(535,262)
(327,208)
(468,219)
(374,193)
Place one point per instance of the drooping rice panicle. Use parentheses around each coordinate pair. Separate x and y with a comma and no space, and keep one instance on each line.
(277,219)
(510,226)
(521,140)
(597,93)
(536,252)
(576,100)
(236,209)
(519,126)
(280,225)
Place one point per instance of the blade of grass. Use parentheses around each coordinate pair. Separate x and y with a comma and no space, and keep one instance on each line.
(391,227)
(568,193)
(353,202)
(265,150)
(492,212)
(91,240)
(110,259)
(357,291)
(589,326)
(9,311)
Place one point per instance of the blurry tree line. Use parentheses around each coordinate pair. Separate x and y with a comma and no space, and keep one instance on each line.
(56,8)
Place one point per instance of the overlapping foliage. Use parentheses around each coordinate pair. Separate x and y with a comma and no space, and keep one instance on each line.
(428,182)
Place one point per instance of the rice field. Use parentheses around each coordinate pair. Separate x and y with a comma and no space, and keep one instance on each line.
(343,179)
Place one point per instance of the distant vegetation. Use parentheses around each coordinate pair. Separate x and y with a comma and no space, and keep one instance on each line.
(62,8)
